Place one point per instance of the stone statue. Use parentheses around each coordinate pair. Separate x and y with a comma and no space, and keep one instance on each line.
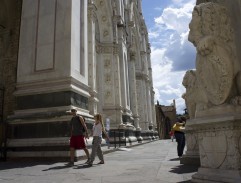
(194,98)
(217,68)
(189,82)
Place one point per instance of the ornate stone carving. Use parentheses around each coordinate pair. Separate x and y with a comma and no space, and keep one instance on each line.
(106,33)
(104,18)
(107,63)
(101,3)
(211,34)
(192,140)
(132,55)
(212,154)
(107,48)
(108,79)
(91,11)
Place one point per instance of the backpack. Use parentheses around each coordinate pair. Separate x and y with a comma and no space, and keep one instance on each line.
(81,123)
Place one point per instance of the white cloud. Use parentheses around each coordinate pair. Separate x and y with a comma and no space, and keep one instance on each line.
(176,18)
(167,84)
(172,54)
(153,35)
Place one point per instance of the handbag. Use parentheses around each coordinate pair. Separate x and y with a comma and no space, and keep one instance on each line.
(178,128)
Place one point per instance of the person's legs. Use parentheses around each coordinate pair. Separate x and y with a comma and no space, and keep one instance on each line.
(87,154)
(99,152)
(94,150)
(72,152)
(82,145)
(183,143)
(179,142)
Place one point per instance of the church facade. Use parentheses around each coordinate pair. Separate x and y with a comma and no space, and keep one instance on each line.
(90,55)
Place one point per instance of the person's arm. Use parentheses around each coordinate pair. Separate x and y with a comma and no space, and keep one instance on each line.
(71,128)
(107,137)
(180,124)
(85,127)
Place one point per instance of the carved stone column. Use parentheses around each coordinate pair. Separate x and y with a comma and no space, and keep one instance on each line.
(149,84)
(109,83)
(125,93)
(142,104)
(92,58)
(133,95)
(152,93)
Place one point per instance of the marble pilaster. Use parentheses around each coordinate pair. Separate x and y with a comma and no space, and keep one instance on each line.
(92,59)
(133,95)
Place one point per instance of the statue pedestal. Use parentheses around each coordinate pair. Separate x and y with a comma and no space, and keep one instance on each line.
(219,141)
(191,156)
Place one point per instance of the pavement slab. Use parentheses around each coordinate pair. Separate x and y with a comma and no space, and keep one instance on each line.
(154,162)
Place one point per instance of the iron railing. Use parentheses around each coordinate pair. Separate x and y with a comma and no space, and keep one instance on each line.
(118,138)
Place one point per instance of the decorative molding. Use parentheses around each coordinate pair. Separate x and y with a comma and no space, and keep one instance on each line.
(107,48)
(142,76)
(46,86)
(36,39)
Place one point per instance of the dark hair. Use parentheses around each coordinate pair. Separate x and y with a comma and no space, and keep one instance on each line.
(183,118)
(179,120)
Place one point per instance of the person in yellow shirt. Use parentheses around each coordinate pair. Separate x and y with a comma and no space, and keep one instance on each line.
(178,129)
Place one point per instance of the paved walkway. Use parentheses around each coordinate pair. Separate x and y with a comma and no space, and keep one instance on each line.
(154,162)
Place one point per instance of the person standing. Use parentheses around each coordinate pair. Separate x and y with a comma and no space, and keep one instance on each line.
(98,128)
(78,132)
(171,133)
(178,128)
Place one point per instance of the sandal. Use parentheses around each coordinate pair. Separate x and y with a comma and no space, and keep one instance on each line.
(90,163)
(87,162)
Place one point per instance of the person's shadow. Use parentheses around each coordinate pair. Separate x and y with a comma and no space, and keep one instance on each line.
(57,168)
(80,166)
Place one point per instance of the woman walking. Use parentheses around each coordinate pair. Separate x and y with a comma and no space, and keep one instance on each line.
(98,128)
(178,128)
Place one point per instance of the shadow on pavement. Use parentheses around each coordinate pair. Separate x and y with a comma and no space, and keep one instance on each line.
(181,169)
(82,166)
(187,181)
(57,168)
(175,159)
(20,164)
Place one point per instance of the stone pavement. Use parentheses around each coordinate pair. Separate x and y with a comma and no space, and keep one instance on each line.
(154,162)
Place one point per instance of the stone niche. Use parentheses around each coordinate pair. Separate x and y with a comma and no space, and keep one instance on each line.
(213,92)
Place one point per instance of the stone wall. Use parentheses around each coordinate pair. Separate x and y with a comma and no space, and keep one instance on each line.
(9,40)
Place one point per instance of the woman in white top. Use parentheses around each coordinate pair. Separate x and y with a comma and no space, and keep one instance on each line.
(98,128)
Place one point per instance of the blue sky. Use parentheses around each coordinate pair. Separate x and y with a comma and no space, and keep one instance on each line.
(172,55)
